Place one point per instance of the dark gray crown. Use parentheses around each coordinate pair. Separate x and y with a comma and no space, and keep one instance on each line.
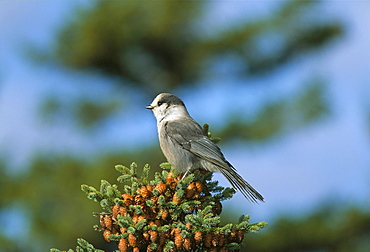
(171,99)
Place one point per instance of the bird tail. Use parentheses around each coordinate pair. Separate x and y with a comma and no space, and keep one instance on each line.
(239,184)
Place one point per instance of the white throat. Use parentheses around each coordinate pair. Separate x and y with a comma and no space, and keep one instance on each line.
(171,113)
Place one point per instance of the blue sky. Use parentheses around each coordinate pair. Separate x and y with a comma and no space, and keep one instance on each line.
(324,161)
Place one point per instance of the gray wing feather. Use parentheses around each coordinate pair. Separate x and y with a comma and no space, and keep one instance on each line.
(190,136)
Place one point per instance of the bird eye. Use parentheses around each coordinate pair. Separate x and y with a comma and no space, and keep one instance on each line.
(160,103)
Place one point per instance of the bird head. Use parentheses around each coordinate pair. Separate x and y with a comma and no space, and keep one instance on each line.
(167,107)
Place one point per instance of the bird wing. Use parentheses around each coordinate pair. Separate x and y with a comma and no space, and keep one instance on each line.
(190,136)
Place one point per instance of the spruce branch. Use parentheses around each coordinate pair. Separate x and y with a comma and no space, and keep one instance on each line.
(168,213)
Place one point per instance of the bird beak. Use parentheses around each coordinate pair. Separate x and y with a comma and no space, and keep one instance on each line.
(149,107)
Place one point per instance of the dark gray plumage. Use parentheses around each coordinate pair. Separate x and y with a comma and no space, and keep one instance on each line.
(186,146)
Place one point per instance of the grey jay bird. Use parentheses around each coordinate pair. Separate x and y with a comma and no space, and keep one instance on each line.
(186,146)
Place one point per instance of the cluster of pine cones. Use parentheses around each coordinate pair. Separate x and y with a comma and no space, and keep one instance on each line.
(155,219)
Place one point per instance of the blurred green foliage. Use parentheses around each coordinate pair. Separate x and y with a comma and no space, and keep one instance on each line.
(89,112)
(160,45)
(281,115)
(330,228)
